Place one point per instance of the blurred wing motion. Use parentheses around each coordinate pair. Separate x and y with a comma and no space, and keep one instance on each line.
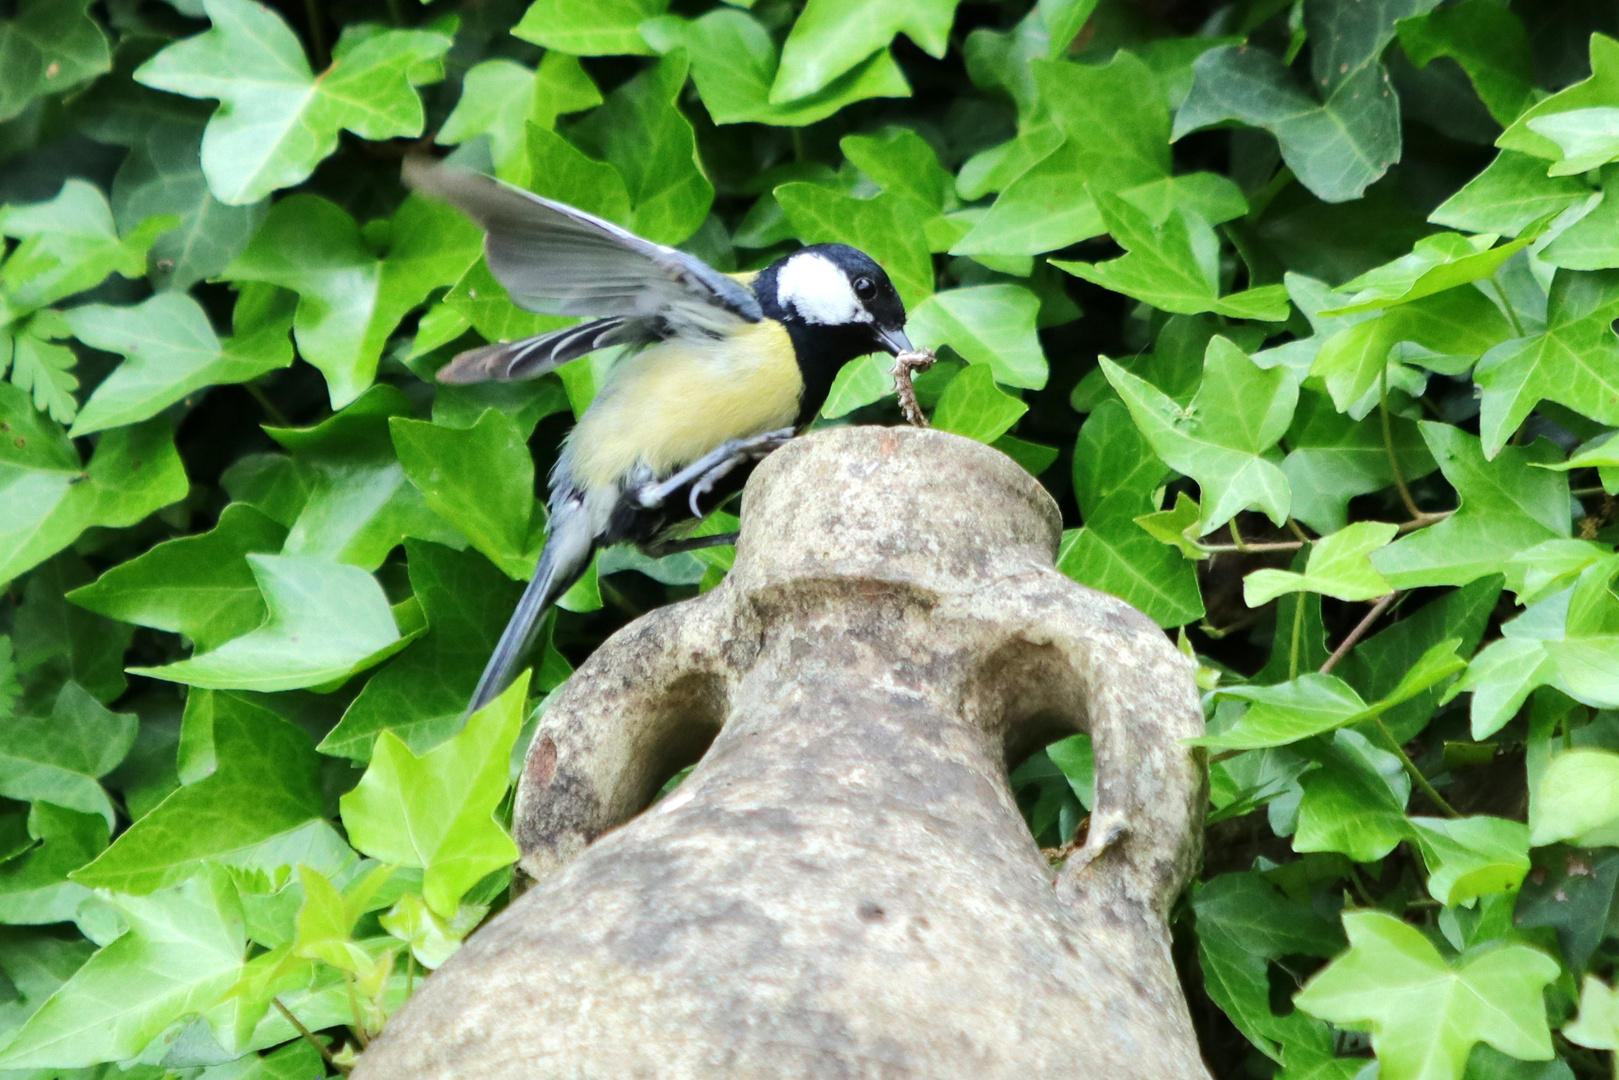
(556,260)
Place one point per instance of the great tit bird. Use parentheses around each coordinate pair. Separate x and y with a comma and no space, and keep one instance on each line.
(719,369)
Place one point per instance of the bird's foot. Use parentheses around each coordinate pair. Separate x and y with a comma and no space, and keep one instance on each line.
(754,449)
(907,365)
(709,469)
(657,549)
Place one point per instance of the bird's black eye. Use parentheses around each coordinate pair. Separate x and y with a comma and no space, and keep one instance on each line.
(865,288)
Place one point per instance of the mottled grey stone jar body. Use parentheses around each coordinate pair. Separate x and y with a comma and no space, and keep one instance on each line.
(844,886)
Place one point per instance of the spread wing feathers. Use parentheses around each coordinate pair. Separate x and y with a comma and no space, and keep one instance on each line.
(531,357)
(556,260)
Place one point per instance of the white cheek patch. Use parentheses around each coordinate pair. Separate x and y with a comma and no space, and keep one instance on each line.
(814,287)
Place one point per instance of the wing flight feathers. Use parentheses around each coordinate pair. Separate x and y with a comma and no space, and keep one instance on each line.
(557,260)
(531,357)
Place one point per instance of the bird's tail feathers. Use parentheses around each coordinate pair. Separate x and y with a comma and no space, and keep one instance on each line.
(565,557)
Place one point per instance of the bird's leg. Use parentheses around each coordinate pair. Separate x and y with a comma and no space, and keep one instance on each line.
(657,549)
(707,470)
(906,366)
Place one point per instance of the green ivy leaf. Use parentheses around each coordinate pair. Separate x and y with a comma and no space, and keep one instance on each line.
(1337,147)
(200,586)
(1443,261)
(1116,475)
(495,99)
(589,27)
(972,405)
(1112,553)
(1426,1014)
(359,504)
(1221,440)
(1111,456)
(34,888)
(1589,243)
(1575,362)
(51,499)
(1600,89)
(1489,43)
(1353,361)
(37,965)
(1242,924)
(859,382)
(326,921)
(986,324)
(69,244)
(1314,704)
(183,949)
(734,63)
(351,295)
(1173,266)
(1340,566)
(479,478)
(1113,126)
(432,940)
(1511,194)
(1569,640)
(436,811)
(1176,526)
(1506,507)
(43,370)
(57,642)
(1354,802)
(832,36)
(422,694)
(58,758)
(1332,458)
(902,161)
(643,134)
(162,177)
(1578,798)
(1598,1023)
(1209,196)
(170,351)
(51,46)
(327,621)
(264,785)
(276,119)
(1585,137)
(1472,856)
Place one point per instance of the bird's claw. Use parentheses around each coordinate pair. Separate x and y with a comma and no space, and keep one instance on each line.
(755,449)
(712,467)
(907,365)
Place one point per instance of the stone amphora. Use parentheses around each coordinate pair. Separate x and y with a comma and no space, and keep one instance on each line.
(843,887)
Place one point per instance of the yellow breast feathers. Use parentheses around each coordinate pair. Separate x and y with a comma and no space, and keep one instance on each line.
(668,406)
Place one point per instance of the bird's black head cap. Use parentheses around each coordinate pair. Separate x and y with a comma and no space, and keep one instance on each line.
(834,286)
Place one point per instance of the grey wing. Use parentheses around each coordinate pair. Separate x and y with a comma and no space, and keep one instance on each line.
(531,357)
(557,260)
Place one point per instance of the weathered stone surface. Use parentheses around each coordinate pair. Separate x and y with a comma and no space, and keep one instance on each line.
(844,887)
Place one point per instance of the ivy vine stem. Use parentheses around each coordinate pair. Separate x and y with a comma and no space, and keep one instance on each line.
(1354,636)
(1416,774)
(276,416)
(1388,445)
(354,1007)
(317,35)
(1298,634)
(309,1037)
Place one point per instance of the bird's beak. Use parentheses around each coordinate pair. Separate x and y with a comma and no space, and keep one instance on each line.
(894,341)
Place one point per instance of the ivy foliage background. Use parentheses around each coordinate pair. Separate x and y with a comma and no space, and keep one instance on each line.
(1304,313)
